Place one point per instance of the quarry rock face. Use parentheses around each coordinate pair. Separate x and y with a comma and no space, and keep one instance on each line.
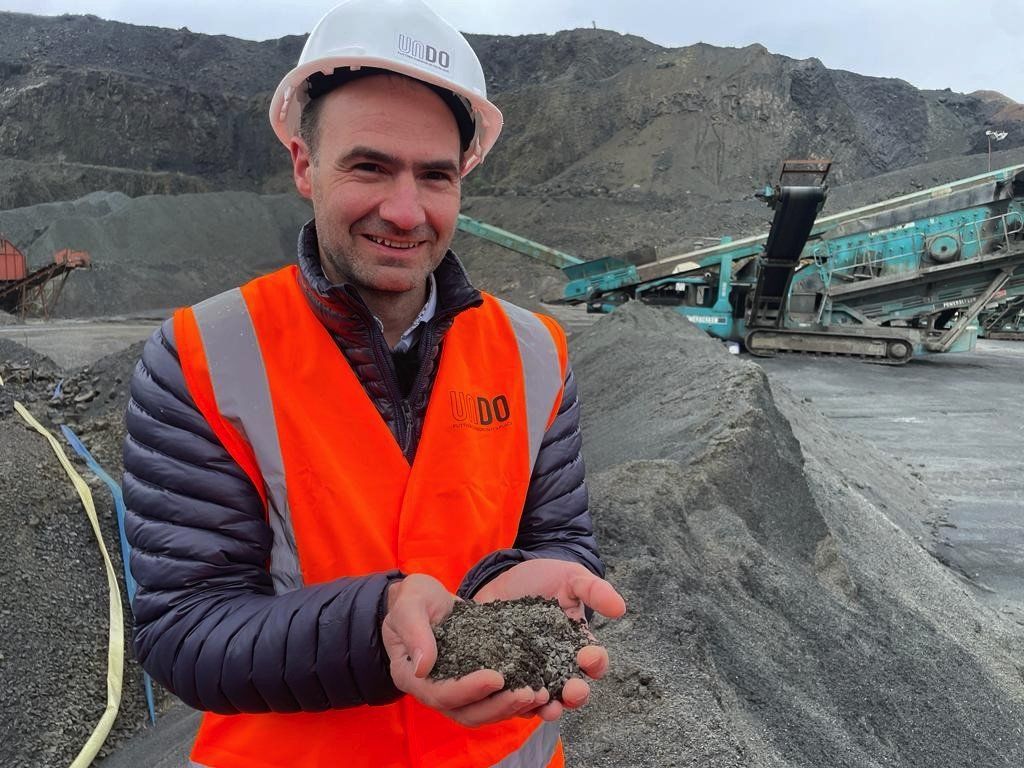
(51,180)
(114,119)
(588,112)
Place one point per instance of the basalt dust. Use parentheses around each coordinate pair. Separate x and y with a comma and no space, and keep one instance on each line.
(530,641)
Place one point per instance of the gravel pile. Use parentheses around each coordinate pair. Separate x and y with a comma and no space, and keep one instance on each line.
(162,251)
(158,252)
(780,612)
(54,620)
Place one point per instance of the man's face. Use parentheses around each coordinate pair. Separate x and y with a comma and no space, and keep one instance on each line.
(385,185)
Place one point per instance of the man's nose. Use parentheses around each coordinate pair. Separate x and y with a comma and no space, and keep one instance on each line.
(403,206)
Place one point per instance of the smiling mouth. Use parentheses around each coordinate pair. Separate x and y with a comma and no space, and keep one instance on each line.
(396,244)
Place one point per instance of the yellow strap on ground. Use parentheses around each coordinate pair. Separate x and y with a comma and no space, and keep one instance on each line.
(115,648)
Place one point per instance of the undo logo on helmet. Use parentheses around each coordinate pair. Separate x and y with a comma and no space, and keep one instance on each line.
(477,411)
(424,52)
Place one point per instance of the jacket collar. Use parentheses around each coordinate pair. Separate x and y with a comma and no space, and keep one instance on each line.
(339,305)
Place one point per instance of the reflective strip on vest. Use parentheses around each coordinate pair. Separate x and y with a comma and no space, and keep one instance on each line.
(240,386)
(536,751)
(542,373)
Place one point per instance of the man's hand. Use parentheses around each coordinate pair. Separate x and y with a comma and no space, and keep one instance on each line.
(415,605)
(574,587)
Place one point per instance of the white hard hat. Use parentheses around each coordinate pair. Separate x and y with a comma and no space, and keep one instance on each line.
(403,36)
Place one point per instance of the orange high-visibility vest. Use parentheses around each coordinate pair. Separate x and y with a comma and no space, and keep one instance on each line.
(342,500)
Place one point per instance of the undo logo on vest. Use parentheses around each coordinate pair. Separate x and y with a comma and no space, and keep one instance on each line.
(478,411)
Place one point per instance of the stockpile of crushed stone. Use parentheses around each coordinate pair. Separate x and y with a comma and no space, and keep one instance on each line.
(162,251)
(53,619)
(159,251)
(779,612)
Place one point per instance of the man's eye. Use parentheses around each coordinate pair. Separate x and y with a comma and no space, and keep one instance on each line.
(368,167)
(438,176)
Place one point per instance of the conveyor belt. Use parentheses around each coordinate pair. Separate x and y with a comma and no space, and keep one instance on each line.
(796,208)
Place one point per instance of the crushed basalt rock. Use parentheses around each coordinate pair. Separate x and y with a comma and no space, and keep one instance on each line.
(531,641)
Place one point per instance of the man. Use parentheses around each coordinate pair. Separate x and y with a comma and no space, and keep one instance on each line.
(317,461)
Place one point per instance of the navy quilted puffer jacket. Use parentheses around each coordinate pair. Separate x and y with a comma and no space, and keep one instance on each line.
(208,624)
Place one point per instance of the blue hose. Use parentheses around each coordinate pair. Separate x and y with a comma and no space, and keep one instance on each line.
(129,580)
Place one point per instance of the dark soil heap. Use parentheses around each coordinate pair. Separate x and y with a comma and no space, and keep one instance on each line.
(779,613)
(159,252)
(530,641)
(54,620)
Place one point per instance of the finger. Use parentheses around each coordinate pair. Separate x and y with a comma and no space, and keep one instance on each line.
(593,660)
(575,693)
(541,698)
(449,695)
(599,595)
(493,709)
(550,711)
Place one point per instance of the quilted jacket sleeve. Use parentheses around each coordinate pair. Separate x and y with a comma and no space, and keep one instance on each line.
(556,520)
(208,625)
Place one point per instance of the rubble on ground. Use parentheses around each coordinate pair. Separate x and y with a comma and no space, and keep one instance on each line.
(781,612)
(159,252)
(54,622)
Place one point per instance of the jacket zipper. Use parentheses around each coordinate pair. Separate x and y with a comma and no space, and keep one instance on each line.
(403,413)
(407,418)
(426,344)
(384,361)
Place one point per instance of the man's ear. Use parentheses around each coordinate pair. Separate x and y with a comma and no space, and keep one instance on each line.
(302,167)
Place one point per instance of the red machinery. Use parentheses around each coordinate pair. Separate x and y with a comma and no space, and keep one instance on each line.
(12,262)
(22,291)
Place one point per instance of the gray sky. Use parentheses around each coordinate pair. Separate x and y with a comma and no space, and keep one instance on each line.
(965,45)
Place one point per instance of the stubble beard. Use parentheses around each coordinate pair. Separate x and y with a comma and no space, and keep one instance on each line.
(342,265)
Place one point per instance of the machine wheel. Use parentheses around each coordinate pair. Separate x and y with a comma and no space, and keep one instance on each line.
(899,350)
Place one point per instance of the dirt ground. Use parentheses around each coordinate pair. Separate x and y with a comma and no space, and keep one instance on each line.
(74,343)
(54,615)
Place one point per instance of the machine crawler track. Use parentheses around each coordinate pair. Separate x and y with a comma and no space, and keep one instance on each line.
(889,350)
